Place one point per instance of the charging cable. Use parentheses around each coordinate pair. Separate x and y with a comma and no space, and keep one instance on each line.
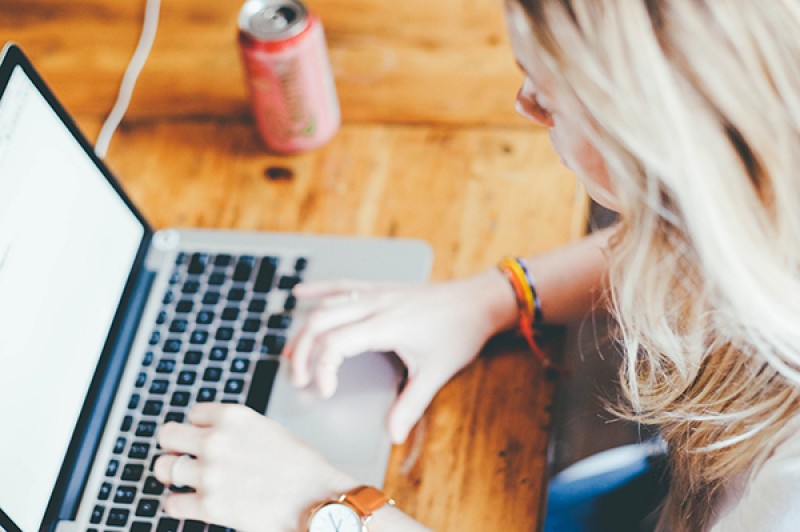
(129,79)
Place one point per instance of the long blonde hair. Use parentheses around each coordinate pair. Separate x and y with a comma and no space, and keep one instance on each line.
(695,107)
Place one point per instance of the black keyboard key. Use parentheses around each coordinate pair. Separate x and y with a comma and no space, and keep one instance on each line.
(198,263)
(236,294)
(194,526)
(245,345)
(217,279)
(240,365)
(97,514)
(165,365)
(133,402)
(169,297)
(261,385)
(117,517)
(167,524)
(218,354)
(155,337)
(212,374)
(146,429)
(206,395)
(242,271)
(148,359)
(141,379)
(211,298)
(274,343)
(180,258)
(175,277)
(186,377)
(251,325)
(192,357)
(177,417)
(139,450)
(178,326)
(184,306)
(147,508)
(152,486)
(141,526)
(234,386)
(290,303)
(204,317)
(113,467)
(191,287)
(279,321)
(217,528)
(287,282)
(125,494)
(230,313)
(257,305)
(223,260)
(105,491)
(198,337)
(127,423)
(266,274)
(180,399)
(173,345)
(300,264)
(159,387)
(132,472)
(119,445)
(224,334)
(161,318)
(152,407)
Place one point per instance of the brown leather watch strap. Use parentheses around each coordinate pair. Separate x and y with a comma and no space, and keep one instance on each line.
(367,499)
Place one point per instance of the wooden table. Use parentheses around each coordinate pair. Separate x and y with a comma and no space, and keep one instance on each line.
(430,148)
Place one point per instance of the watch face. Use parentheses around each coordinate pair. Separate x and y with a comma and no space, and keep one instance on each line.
(335,517)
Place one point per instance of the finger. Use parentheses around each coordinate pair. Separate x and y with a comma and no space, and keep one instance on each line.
(337,345)
(181,438)
(186,473)
(207,414)
(320,289)
(411,404)
(318,323)
(185,506)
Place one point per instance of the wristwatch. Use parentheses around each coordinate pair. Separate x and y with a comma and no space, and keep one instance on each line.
(350,512)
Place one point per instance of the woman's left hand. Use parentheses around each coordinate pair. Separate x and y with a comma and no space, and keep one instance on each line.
(248,473)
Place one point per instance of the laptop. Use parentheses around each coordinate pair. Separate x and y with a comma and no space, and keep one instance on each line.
(109,328)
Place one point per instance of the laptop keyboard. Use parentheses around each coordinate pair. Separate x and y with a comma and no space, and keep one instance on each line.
(218,335)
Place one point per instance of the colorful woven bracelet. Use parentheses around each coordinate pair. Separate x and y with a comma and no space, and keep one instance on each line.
(528,305)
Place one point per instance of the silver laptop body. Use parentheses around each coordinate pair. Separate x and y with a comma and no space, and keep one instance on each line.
(146,341)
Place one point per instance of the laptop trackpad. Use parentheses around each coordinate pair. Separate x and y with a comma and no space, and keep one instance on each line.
(349,429)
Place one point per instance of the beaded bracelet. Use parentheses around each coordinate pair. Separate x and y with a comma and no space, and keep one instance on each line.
(528,304)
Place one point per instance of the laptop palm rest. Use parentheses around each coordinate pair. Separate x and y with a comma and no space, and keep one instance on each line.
(353,420)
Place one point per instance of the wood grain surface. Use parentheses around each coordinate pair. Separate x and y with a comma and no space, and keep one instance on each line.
(430,148)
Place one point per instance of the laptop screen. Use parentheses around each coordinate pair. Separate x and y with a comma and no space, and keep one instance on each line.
(67,246)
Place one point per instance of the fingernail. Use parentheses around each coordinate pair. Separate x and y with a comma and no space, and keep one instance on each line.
(328,387)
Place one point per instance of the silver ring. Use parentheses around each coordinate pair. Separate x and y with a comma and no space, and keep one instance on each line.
(173,474)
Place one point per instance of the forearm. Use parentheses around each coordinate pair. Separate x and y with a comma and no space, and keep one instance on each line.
(569,283)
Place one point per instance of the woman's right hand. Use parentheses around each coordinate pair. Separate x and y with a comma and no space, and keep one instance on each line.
(434,329)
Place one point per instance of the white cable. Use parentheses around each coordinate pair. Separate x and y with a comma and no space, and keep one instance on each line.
(129,79)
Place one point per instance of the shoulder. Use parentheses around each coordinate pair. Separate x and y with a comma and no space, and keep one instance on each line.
(765,498)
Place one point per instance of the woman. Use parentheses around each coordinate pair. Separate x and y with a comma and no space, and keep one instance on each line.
(684,117)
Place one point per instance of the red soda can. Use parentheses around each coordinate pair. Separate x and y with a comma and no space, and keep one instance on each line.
(291,85)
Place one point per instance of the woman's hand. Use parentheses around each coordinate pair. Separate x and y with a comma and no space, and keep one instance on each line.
(249,473)
(436,330)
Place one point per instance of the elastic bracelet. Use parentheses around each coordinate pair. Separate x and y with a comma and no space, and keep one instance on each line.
(538,318)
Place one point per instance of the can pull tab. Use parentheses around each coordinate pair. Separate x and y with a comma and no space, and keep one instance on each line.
(273,19)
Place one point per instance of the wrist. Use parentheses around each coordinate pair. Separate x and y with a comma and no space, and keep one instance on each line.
(498,300)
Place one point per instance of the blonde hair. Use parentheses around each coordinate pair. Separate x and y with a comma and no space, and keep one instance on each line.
(695,107)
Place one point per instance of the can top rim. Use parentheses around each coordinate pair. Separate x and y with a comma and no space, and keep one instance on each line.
(272,20)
